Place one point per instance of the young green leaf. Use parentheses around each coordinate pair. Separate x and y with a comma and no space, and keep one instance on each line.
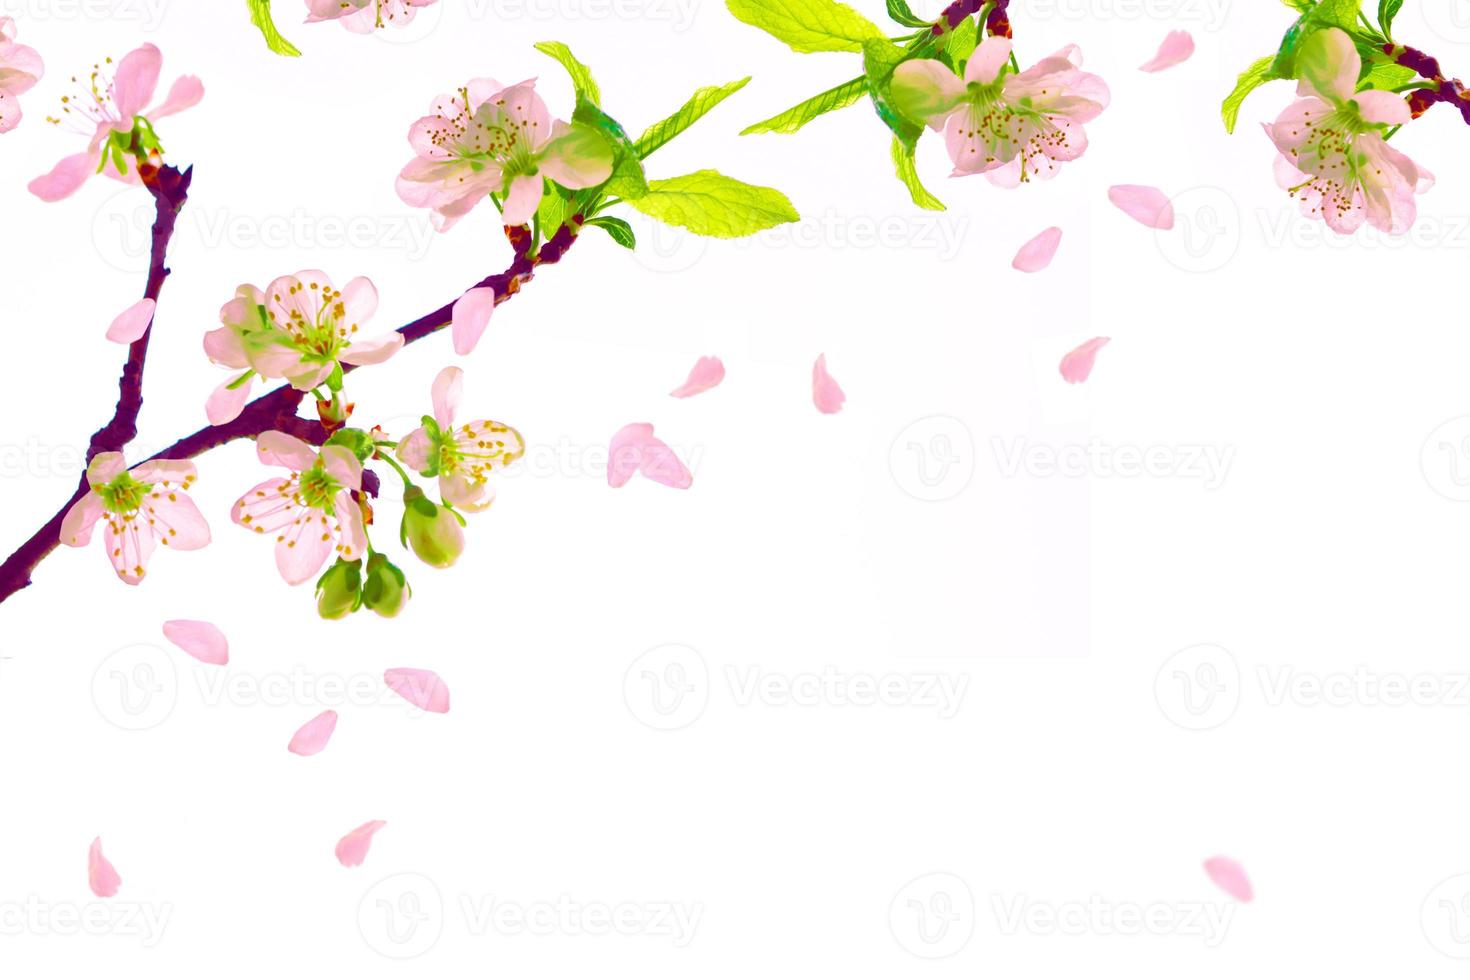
(880,58)
(802,113)
(617,229)
(901,13)
(903,162)
(582,79)
(808,25)
(708,203)
(1258,74)
(627,178)
(959,44)
(553,211)
(1337,13)
(1387,77)
(260,16)
(701,102)
(1387,11)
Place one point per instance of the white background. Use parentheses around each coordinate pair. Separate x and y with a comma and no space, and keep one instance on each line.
(1090,767)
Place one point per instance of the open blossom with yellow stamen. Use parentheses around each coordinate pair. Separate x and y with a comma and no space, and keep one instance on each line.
(463,457)
(299,328)
(20,69)
(365,16)
(144,507)
(311,512)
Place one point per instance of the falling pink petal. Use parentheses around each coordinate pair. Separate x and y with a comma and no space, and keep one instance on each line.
(635,449)
(132,322)
(1077,365)
(1036,254)
(1146,205)
(313,736)
(352,849)
(706,373)
(1231,878)
(470,317)
(1176,49)
(421,688)
(226,403)
(102,877)
(826,393)
(200,640)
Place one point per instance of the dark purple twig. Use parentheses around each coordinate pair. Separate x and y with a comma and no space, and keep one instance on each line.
(1447,90)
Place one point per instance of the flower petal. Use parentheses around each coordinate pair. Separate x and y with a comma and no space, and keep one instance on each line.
(706,374)
(521,200)
(1328,63)
(413,449)
(185,93)
(226,403)
(102,877)
(133,322)
(446,392)
(577,157)
(103,467)
(303,547)
(129,543)
(66,177)
(359,301)
(420,688)
(625,452)
(988,59)
(1231,878)
(76,526)
(926,90)
(1175,49)
(1077,364)
(279,449)
(135,81)
(1037,254)
(470,317)
(1146,205)
(661,464)
(343,466)
(312,737)
(827,395)
(200,640)
(374,351)
(175,520)
(352,850)
(1384,108)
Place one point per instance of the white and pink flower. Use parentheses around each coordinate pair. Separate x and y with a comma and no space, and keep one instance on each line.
(110,112)
(1334,157)
(311,511)
(465,456)
(299,328)
(365,16)
(486,140)
(20,69)
(144,508)
(1009,126)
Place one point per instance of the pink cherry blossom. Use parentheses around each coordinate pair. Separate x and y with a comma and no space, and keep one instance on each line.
(109,112)
(1009,126)
(20,69)
(102,877)
(485,140)
(144,507)
(299,328)
(462,457)
(707,373)
(365,16)
(635,449)
(311,512)
(1334,158)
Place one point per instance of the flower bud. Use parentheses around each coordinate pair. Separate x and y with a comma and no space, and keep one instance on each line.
(433,532)
(386,589)
(339,590)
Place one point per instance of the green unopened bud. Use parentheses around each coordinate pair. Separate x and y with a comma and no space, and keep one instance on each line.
(432,531)
(339,590)
(386,589)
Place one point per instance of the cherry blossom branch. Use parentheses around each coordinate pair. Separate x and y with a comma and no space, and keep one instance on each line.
(277,409)
(1447,90)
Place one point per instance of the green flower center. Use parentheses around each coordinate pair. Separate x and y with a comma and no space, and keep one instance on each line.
(318,489)
(123,494)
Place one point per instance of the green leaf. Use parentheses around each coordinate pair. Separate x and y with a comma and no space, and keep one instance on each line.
(708,203)
(1283,65)
(1387,11)
(627,178)
(260,16)
(701,102)
(903,162)
(1387,77)
(880,58)
(1337,13)
(902,14)
(808,25)
(553,211)
(617,229)
(959,44)
(582,79)
(802,113)
(1258,74)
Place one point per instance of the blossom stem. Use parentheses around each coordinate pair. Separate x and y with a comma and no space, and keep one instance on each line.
(385,457)
(1450,91)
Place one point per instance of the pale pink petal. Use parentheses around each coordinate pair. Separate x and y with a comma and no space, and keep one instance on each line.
(445,394)
(76,527)
(129,544)
(414,450)
(1146,205)
(827,395)
(352,539)
(923,88)
(1176,49)
(1077,364)
(661,464)
(200,640)
(102,877)
(175,520)
(521,200)
(1384,108)
(706,373)
(625,452)
(66,177)
(989,58)
(279,449)
(374,351)
(1231,878)
(1037,254)
(577,157)
(359,301)
(132,322)
(226,403)
(421,688)
(185,93)
(343,466)
(456,489)
(470,317)
(1328,63)
(352,850)
(135,81)
(222,345)
(103,467)
(304,548)
(311,738)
